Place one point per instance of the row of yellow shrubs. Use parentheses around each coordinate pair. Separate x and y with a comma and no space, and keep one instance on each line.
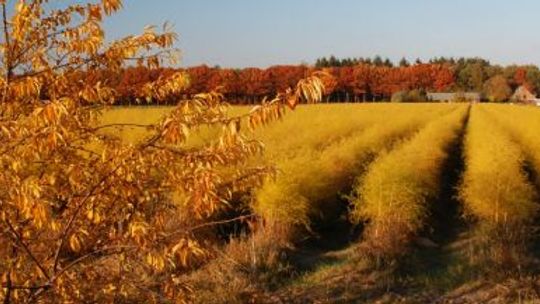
(319,151)
(523,124)
(394,195)
(315,127)
(310,184)
(496,190)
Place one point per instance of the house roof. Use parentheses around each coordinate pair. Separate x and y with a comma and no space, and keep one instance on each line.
(451,96)
(523,94)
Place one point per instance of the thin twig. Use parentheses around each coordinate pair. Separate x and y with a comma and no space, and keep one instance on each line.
(19,240)
(114,125)
(73,264)
(8,287)
(209,224)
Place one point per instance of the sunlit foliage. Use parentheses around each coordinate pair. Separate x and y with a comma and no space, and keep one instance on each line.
(85,217)
(311,182)
(395,194)
(496,189)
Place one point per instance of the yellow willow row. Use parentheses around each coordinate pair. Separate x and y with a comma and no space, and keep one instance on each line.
(313,127)
(311,182)
(309,126)
(496,191)
(395,193)
(495,187)
(523,124)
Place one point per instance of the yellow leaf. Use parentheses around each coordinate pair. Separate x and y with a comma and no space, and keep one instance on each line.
(74,243)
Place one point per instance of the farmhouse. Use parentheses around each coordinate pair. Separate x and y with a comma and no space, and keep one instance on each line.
(459,96)
(524,95)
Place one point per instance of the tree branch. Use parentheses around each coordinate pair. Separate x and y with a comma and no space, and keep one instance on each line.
(9,69)
(7,52)
(19,240)
(41,289)
(113,125)
(210,224)
(8,287)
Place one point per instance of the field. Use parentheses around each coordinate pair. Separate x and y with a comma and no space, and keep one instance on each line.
(391,202)
(135,172)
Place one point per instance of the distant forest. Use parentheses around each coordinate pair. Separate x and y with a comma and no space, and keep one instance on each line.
(349,80)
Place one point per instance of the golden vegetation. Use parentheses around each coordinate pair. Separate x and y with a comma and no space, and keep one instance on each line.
(312,181)
(496,190)
(523,124)
(107,209)
(119,222)
(395,194)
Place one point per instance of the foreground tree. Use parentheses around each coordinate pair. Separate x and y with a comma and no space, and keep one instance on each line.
(83,216)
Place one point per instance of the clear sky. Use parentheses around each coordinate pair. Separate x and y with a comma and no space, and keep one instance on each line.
(242,33)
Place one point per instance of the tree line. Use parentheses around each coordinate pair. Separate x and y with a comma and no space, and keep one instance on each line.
(348,79)
(495,82)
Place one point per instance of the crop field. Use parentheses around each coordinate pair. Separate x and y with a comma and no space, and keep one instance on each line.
(432,199)
(181,160)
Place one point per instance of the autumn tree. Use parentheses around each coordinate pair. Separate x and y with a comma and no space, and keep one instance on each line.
(520,76)
(443,77)
(497,89)
(404,63)
(85,217)
(329,82)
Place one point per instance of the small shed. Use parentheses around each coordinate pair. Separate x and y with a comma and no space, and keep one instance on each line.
(450,96)
(524,95)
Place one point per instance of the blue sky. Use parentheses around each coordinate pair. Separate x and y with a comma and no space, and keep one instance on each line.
(242,33)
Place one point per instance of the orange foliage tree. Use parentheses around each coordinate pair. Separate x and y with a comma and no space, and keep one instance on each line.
(353,83)
(85,217)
